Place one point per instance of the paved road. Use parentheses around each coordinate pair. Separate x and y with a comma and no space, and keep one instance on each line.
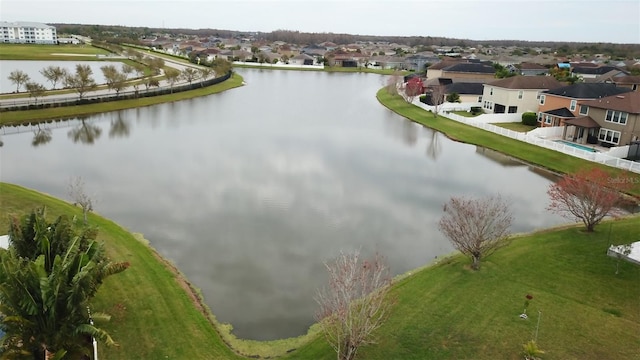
(180,66)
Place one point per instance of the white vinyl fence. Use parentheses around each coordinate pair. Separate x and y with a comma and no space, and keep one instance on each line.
(538,137)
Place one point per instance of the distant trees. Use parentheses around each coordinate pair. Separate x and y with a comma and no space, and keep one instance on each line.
(587,195)
(19,78)
(48,275)
(355,303)
(82,81)
(476,227)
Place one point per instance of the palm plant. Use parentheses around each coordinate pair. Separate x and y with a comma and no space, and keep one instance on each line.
(47,277)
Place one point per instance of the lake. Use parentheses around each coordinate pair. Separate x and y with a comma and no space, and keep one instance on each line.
(33,67)
(250,190)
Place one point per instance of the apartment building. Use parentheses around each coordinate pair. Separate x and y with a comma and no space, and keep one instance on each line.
(23,32)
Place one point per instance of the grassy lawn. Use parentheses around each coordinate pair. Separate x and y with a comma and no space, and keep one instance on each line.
(444,311)
(45,52)
(26,116)
(549,159)
(450,312)
(153,317)
(516,126)
(464,113)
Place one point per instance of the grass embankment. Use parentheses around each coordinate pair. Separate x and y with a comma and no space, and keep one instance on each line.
(450,312)
(50,52)
(516,126)
(549,159)
(153,317)
(27,116)
(445,311)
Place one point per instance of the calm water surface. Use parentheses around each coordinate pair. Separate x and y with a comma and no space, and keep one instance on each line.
(249,191)
(33,67)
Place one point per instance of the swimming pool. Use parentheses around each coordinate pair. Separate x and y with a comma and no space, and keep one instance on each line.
(577,146)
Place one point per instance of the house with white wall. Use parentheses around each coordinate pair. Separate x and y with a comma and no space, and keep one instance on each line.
(516,94)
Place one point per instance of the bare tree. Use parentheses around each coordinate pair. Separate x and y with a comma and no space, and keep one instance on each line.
(476,227)
(35,90)
(82,80)
(172,75)
(437,98)
(587,195)
(355,303)
(189,74)
(79,196)
(205,73)
(54,74)
(394,82)
(19,78)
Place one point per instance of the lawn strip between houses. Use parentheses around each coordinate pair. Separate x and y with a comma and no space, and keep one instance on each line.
(549,159)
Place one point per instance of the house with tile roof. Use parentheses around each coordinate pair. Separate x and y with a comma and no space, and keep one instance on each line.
(617,119)
(516,94)
(556,106)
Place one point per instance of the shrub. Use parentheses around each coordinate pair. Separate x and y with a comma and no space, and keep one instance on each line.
(529,118)
(476,110)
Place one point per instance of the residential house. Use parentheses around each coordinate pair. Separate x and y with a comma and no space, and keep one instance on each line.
(469,92)
(417,62)
(388,62)
(531,69)
(302,59)
(435,70)
(590,72)
(516,94)
(617,118)
(627,81)
(561,104)
(469,70)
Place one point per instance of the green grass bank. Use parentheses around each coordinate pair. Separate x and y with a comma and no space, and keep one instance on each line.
(443,311)
(545,158)
(51,52)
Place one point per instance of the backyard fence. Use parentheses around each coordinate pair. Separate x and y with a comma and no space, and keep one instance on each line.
(539,135)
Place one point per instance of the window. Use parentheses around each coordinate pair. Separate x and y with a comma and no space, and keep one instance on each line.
(618,117)
(547,119)
(490,91)
(520,94)
(634,87)
(609,136)
(584,109)
(541,99)
(479,98)
(539,117)
(573,105)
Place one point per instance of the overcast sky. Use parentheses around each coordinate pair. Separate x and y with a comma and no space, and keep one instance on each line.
(616,21)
